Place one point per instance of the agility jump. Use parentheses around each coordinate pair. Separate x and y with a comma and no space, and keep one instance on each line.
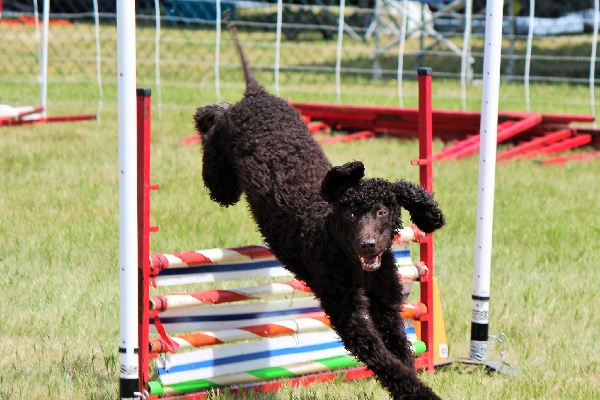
(266,333)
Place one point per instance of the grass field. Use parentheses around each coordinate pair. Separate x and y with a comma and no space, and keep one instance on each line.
(59,287)
(59,258)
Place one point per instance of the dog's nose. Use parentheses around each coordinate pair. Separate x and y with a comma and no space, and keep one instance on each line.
(368,245)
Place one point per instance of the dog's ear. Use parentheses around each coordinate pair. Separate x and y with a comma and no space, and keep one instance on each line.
(339,179)
(206,117)
(423,209)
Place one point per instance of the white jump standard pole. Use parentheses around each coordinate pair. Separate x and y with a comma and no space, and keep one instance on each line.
(44,58)
(486,183)
(486,180)
(129,385)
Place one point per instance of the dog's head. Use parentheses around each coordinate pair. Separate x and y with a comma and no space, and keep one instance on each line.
(366,212)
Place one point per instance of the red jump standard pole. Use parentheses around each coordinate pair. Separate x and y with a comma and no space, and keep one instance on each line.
(425,164)
(144,229)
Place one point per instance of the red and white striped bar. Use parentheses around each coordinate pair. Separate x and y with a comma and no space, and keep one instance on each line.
(161,261)
(286,327)
(210,338)
(249,262)
(269,290)
(266,291)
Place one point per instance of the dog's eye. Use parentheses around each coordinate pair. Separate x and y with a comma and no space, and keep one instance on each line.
(350,215)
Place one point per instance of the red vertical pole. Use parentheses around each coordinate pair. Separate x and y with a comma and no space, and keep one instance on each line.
(143,200)
(425,129)
(426,180)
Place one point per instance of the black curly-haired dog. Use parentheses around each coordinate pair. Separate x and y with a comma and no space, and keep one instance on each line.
(329,226)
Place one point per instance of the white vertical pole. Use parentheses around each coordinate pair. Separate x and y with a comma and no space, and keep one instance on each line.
(338,57)
(98,58)
(218,51)
(128,243)
(466,71)
(278,44)
(44,66)
(36,18)
(528,54)
(487,170)
(593,59)
(401,45)
(157,55)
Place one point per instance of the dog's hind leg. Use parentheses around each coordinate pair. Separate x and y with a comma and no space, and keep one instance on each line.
(217,170)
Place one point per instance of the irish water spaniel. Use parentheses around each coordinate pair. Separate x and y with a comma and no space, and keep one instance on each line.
(328,225)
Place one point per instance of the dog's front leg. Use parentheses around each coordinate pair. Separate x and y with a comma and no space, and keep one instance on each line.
(348,309)
(385,294)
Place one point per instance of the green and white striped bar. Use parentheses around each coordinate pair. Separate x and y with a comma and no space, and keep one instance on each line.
(263,374)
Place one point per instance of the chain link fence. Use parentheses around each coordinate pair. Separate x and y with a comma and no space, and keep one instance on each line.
(321,50)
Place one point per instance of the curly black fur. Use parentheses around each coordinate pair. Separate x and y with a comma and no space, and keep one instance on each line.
(329,226)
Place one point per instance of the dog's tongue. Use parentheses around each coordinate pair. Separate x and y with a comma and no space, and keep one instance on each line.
(371,263)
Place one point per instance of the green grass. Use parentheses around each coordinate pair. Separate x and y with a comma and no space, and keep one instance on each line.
(59,258)
(59,286)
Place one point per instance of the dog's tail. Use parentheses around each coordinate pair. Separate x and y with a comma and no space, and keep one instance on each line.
(252,84)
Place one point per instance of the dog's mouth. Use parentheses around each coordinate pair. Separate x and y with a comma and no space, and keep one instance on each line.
(371,263)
